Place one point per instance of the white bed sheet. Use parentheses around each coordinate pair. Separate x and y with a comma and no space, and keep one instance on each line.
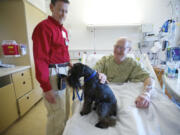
(161,118)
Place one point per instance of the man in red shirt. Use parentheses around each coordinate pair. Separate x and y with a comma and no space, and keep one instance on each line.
(51,57)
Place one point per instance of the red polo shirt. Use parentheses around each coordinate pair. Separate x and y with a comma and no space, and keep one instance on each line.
(50,46)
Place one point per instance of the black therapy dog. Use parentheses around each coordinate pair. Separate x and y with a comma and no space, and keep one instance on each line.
(95,93)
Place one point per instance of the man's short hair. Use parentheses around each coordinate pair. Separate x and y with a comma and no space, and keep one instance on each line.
(54,1)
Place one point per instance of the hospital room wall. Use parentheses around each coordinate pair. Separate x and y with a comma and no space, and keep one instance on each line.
(41,4)
(155,12)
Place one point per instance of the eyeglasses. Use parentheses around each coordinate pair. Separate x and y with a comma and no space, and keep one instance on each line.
(120,47)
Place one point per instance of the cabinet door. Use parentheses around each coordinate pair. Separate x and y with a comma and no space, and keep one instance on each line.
(8,111)
(22,82)
(27,101)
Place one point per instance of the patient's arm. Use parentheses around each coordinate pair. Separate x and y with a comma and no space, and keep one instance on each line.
(143,100)
(148,83)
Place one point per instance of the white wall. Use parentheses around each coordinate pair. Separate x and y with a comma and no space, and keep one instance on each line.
(47,2)
(41,4)
(154,11)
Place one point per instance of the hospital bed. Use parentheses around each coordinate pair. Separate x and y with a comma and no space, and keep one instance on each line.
(161,118)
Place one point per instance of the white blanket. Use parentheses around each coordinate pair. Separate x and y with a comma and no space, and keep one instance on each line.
(161,118)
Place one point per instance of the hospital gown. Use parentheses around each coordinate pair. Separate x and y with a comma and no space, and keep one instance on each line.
(128,70)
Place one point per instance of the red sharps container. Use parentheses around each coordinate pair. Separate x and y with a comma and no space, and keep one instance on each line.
(10,48)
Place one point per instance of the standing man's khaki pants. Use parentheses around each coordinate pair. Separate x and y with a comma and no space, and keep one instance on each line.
(57,113)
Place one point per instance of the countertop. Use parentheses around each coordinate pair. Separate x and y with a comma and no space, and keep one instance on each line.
(173,87)
(8,71)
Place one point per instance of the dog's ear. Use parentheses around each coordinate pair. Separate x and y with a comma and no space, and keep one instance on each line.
(73,76)
(83,70)
(69,72)
(86,70)
(78,85)
(74,82)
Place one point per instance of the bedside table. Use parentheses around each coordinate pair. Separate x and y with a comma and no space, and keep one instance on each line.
(159,73)
(173,87)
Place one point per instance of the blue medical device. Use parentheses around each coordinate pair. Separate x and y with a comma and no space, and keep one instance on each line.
(175,51)
(165,27)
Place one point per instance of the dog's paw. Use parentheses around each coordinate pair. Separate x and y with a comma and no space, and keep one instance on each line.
(94,108)
(84,112)
(101,125)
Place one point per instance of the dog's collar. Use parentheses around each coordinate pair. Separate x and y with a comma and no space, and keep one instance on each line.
(92,75)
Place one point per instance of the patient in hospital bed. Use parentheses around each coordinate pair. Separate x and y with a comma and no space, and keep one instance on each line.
(142,107)
(120,69)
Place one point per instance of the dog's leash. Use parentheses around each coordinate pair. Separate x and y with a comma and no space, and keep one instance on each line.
(81,98)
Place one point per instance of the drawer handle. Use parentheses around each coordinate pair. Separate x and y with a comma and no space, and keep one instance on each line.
(27,97)
(24,82)
(22,74)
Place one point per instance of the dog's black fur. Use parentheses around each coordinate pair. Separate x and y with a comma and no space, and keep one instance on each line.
(101,94)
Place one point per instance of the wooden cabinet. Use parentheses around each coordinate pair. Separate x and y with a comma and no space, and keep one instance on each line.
(8,111)
(18,20)
(22,82)
(159,72)
(25,95)
(16,97)
(27,101)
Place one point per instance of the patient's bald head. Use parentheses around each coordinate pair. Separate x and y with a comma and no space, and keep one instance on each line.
(123,42)
(121,48)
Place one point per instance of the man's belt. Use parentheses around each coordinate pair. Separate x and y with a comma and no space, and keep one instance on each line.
(58,65)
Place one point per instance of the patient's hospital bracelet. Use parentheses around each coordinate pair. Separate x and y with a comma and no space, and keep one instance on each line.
(147,90)
(147,87)
(147,94)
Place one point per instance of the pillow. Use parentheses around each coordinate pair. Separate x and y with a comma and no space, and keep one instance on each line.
(91,59)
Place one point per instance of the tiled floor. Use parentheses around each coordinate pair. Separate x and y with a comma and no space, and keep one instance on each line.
(33,122)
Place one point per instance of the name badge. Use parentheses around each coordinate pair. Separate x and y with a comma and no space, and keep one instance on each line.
(66,42)
(63,34)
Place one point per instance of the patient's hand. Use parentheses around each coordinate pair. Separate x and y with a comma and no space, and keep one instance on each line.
(102,78)
(142,101)
(70,65)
